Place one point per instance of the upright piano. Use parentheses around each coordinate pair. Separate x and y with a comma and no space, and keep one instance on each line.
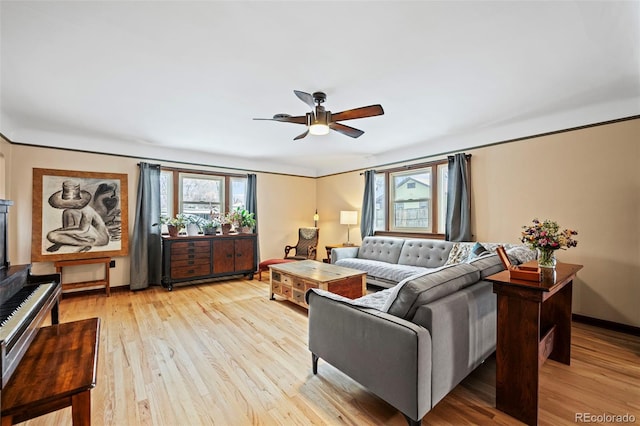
(25,301)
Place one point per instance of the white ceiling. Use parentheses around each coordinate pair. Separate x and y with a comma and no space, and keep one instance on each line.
(182,80)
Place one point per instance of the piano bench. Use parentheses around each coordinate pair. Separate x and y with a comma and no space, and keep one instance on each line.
(57,371)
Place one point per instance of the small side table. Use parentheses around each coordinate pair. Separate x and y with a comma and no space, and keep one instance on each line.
(57,371)
(332,246)
(105,282)
(534,323)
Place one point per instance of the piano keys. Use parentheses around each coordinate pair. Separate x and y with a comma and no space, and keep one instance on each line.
(25,300)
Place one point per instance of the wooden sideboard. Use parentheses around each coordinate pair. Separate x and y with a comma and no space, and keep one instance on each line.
(207,256)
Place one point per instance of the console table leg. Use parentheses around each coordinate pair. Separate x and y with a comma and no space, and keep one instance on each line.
(557,311)
(517,358)
(81,408)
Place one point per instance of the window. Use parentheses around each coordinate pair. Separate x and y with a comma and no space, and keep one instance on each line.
(166,193)
(200,193)
(412,200)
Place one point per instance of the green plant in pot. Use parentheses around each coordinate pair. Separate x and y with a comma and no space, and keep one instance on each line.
(174,224)
(246,220)
(193,224)
(226,222)
(210,226)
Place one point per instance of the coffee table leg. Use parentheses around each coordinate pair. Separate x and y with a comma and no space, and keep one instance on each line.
(81,408)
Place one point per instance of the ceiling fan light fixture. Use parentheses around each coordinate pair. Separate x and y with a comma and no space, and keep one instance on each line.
(318,129)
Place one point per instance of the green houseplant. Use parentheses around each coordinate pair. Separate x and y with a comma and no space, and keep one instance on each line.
(174,224)
(245,220)
(210,226)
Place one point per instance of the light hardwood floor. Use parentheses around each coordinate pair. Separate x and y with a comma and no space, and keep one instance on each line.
(222,353)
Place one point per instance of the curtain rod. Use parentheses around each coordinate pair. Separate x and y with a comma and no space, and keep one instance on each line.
(413,166)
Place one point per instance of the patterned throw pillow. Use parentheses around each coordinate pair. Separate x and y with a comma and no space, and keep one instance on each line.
(459,253)
(478,250)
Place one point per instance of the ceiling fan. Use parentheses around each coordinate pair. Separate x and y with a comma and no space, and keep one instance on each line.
(319,120)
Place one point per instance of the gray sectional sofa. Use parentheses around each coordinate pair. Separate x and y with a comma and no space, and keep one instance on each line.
(389,260)
(413,342)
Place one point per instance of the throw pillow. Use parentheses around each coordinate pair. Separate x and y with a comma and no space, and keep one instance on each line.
(478,250)
(459,253)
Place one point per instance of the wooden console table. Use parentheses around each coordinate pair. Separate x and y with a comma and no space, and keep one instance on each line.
(57,371)
(105,282)
(534,323)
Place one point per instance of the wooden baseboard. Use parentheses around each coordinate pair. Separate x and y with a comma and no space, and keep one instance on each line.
(609,325)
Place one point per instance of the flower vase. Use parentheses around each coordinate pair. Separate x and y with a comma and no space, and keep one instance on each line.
(226,228)
(546,258)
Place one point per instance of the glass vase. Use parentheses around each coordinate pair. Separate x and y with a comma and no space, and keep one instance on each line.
(546,258)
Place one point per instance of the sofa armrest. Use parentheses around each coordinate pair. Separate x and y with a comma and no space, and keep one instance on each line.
(343,253)
(389,356)
(463,334)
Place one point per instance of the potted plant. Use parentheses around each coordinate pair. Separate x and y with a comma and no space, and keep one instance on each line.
(210,226)
(174,224)
(246,220)
(193,223)
(226,222)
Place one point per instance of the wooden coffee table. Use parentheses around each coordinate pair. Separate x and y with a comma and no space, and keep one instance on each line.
(292,280)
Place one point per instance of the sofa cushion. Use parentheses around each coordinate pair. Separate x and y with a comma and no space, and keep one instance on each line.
(431,285)
(487,265)
(425,253)
(384,249)
(378,269)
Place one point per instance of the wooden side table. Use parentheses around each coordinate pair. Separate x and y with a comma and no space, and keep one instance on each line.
(332,246)
(105,282)
(534,323)
(57,371)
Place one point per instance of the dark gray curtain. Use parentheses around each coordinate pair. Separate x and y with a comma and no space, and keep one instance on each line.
(367,221)
(145,256)
(458,226)
(252,202)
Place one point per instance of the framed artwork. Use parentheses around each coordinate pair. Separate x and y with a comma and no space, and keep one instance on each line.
(78,215)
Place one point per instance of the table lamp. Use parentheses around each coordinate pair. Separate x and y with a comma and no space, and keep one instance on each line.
(348,218)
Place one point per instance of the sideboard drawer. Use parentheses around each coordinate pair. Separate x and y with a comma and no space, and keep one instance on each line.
(185,247)
(190,271)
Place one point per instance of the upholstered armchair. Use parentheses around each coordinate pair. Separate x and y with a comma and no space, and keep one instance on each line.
(306,246)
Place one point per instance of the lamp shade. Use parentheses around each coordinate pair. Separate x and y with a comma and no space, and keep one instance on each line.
(348,217)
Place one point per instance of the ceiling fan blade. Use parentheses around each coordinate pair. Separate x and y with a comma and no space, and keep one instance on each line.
(305,97)
(302,119)
(362,112)
(300,136)
(346,130)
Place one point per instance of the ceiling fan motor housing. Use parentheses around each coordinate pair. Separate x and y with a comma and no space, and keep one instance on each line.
(319,97)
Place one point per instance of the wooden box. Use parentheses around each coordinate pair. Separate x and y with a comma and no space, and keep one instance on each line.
(526,273)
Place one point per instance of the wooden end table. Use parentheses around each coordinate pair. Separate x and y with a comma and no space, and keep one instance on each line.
(534,323)
(57,371)
(330,247)
(292,280)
